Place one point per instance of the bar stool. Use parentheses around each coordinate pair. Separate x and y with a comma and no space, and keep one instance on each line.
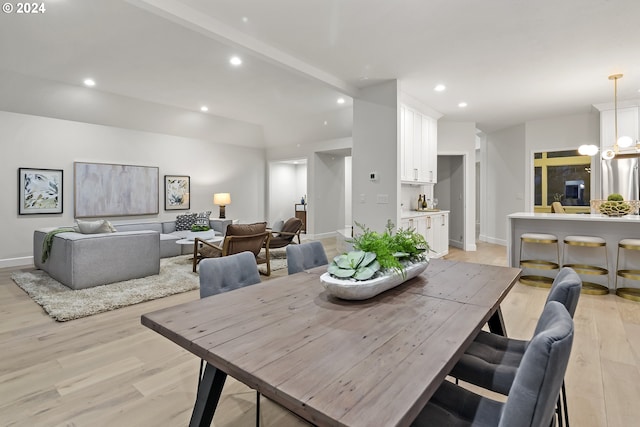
(538,264)
(632,294)
(588,242)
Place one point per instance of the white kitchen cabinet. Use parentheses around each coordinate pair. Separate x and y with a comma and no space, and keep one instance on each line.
(434,226)
(440,228)
(628,125)
(418,147)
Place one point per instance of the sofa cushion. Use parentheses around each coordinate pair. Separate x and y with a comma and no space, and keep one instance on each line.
(94,227)
(185,221)
(202,218)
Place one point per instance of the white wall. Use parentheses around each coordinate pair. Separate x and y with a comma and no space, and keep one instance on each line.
(287,184)
(561,133)
(328,200)
(450,191)
(376,148)
(504,157)
(40,142)
(348,194)
(459,138)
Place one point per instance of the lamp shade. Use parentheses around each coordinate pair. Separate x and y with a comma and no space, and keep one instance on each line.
(222,199)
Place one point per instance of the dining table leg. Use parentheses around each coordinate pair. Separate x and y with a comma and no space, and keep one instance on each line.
(496,323)
(209,391)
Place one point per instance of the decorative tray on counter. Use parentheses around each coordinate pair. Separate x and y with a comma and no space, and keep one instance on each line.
(614,207)
(427,210)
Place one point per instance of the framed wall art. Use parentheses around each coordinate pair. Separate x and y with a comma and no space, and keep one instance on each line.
(39,191)
(102,189)
(176,192)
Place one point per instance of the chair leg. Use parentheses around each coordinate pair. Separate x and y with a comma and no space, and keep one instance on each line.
(563,393)
(257,408)
(558,411)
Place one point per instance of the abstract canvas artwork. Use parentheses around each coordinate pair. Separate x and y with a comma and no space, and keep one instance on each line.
(176,192)
(39,191)
(115,190)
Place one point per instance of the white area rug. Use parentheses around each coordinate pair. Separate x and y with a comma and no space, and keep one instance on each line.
(62,303)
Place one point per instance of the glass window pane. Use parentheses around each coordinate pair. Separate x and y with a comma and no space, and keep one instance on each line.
(569,185)
(570,153)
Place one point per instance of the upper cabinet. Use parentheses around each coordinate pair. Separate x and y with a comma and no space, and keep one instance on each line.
(418,147)
(628,125)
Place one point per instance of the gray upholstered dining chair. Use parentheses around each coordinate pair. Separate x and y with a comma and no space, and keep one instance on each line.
(305,256)
(227,273)
(218,275)
(491,361)
(534,391)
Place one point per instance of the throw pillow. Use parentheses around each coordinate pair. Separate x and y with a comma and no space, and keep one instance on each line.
(94,227)
(202,218)
(185,221)
(277,226)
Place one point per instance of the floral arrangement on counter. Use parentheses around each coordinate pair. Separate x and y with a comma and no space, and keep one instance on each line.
(615,206)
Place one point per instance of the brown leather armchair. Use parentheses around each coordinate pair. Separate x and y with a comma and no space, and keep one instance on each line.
(290,229)
(239,238)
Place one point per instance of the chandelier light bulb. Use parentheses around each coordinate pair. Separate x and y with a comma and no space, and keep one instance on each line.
(588,150)
(625,142)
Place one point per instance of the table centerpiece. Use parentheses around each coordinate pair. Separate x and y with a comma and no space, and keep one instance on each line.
(379,262)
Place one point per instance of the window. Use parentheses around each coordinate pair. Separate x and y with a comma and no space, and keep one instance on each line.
(562,176)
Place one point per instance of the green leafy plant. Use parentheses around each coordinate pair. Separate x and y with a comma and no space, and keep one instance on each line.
(357,264)
(200,228)
(615,197)
(391,249)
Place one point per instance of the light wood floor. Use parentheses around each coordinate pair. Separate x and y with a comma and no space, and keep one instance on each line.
(108,370)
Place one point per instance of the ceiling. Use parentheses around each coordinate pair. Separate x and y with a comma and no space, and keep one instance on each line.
(511,61)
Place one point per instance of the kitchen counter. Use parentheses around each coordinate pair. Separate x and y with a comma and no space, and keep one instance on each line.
(612,229)
(415,214)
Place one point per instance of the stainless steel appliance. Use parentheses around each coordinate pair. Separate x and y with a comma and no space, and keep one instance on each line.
(620,175)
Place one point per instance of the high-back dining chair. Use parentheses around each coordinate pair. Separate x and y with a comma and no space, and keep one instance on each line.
(531,400)
(224,274)
(305,256)
(491,361)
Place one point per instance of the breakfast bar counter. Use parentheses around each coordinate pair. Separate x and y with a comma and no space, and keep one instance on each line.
(612,229)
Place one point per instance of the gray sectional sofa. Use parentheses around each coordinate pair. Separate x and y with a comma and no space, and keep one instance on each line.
(82,261)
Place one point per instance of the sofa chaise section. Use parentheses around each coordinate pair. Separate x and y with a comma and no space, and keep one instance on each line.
(82,261)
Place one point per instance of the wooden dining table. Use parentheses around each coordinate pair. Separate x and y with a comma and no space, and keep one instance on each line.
(333,362)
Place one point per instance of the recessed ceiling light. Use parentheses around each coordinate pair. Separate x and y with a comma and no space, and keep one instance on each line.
(340,100)
(89,82)
(204,108)
(326,122)
(462,104)
(439,88)
(245,19)
(235,61)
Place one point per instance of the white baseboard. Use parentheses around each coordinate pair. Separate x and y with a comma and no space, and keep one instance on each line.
(16,262)
(456,244)
(493,240)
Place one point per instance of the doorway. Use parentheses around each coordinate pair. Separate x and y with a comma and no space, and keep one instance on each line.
(450,192)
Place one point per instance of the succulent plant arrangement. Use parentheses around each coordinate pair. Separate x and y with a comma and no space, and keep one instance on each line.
(377,253)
